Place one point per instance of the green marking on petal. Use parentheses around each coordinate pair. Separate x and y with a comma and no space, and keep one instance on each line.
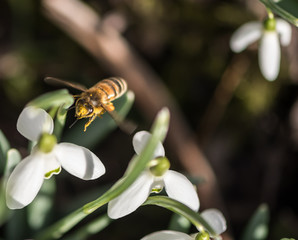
(156,190)
(51,173)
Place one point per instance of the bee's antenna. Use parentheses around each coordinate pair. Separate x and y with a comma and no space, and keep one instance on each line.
(73,123)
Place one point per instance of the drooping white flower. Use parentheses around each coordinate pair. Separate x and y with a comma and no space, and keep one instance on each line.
(271,33)
(212,216)
(168,235)
(46,159)
(176,185)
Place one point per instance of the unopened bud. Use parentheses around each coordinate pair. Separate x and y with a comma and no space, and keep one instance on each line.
(203,236)
(46,142)
(270,24)
(159,166)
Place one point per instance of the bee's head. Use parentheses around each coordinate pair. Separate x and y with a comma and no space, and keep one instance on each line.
(83,109)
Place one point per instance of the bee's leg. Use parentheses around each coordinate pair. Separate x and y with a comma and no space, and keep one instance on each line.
(91,119)
(109,107)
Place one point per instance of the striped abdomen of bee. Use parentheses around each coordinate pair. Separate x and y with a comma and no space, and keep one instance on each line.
(113,88)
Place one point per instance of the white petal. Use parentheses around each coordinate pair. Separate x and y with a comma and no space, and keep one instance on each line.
(133,197)
(79,161)
(215,219)
(245,35)
(285,31)
(25,182)
(181,189)
(140,140)
(33,121)
(269,55)
(167,235)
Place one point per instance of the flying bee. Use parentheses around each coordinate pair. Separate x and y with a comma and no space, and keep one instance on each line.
(97,100)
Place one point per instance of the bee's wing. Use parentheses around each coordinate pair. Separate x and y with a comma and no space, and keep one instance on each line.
(124,125)
(57,81)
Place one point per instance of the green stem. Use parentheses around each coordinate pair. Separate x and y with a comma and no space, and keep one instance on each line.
(276,8)
(270,13)
(137,165)
(182,210)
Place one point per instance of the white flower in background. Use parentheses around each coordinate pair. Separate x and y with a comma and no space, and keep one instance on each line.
(46,159)
(212,216)
(269,34)
(177,186)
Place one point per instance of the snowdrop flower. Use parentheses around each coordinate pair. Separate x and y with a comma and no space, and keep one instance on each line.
(212,216)
(46,159)
(269,46)
(153,179)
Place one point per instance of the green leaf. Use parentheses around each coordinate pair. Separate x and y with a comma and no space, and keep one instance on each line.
(40,209)
(137,165)
(181,209)
(287,9)
(57,103)
(4,147)
(91,228)
(53,99)
(100,127)
(257,228)
(179,223)
(13,158)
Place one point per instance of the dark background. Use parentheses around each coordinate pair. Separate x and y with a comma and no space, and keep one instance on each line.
(253,148)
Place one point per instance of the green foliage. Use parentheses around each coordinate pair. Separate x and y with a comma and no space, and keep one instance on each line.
(179,223)
(287,9)
(39,211)
(90,229)
(12,158)
(179,208)
(4,147)
(257,228)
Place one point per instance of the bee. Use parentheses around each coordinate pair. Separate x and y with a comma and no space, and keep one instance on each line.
(97,100)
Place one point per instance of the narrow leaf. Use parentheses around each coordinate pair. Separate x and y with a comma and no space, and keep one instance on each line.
(13,158)
(182,210)
(287,9)
(257,228)
(53,99)
(90,229)
(4,147)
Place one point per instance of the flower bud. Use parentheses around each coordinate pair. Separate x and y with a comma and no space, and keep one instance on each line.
(159,166)
(46,142)
(203,236)
(270,24)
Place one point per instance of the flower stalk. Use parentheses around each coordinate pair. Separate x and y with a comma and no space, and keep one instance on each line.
(182,210)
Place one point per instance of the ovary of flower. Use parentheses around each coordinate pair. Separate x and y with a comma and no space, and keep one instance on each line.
(212,216)
(177,186)
(269,46)
(26,179)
